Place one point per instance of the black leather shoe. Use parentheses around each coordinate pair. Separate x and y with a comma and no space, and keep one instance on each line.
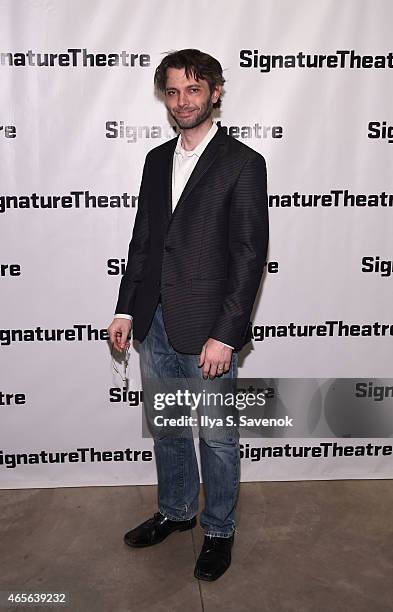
(215,558)
(155,530)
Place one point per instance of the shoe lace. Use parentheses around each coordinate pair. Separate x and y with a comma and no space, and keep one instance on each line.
(212,543)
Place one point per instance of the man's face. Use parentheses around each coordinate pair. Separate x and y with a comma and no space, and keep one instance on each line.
(188,101)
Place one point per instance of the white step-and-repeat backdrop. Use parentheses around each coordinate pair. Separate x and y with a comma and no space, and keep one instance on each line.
(308,84)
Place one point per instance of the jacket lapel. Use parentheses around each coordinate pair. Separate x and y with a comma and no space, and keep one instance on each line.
(167,176)
(203,164)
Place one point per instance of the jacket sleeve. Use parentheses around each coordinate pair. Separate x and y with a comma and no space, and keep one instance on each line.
(138,249)
(248,243)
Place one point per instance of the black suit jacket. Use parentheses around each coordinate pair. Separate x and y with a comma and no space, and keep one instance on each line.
(206,259)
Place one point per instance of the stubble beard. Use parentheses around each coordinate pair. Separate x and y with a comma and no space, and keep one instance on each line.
(192,122)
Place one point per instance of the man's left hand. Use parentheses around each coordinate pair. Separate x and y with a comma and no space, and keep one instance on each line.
(215,358)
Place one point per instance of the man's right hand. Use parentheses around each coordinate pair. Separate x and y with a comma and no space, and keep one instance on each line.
(118,333)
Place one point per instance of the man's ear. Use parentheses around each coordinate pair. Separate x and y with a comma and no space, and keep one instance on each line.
(216,93)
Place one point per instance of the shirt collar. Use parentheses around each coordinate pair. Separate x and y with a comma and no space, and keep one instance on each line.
(198,150)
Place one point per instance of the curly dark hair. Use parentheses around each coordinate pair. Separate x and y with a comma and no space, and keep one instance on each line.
(195,63)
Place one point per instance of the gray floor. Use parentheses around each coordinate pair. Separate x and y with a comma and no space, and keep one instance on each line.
(301,546)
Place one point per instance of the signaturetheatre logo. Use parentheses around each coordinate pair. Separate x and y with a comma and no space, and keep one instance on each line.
(74,58)
(134,133)
(116,267)
(333,328)
(77,333)
(78,455)
(340,59)
(377,265)
(73,200)
(335,198)
(323,449)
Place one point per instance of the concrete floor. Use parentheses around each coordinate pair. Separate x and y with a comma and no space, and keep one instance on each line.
(323,546)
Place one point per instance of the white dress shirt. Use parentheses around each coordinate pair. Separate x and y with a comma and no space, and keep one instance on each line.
(183,164)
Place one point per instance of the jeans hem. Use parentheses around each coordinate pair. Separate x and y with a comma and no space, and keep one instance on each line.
(217,534)
(211,533)
(172,517)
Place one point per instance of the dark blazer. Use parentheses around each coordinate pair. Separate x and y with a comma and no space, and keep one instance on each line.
(206,259)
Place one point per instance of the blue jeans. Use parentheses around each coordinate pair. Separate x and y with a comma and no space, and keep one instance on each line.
(177,467)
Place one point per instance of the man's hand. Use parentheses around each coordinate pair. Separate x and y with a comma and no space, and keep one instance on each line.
(215,358)
(118,333)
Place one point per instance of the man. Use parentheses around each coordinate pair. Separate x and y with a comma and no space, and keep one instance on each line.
(194,266)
